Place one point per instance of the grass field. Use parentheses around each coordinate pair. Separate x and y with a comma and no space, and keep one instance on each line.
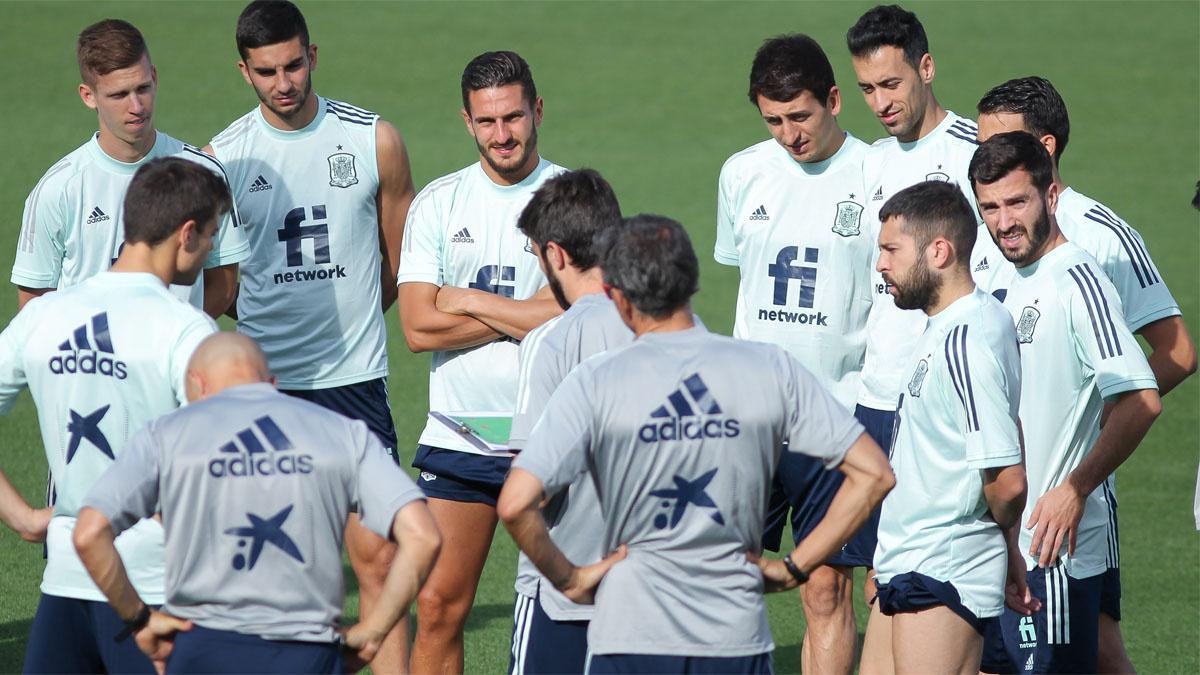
(652,95)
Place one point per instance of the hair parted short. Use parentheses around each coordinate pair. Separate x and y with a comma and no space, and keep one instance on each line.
(571,210)
(269,22)
(935,209)
(1039,105)
(496,69)
(889,26)
(108,45)
(651,261)
(1004,153)
(787,65)
(166,193)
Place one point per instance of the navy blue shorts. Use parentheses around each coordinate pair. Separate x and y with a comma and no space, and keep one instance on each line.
(1062,637)
(69,635)
(204,650)
(365,401)
(1110,593)
(995,657)
(804,487)
(460,476)
(542,645)
(913,591)
(602,664)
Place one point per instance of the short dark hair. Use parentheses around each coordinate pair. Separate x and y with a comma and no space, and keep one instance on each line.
(167,192)
(1004,153)
(496,69)
(935,209)
(1039,105)
(571,210)
(651,261)
(787,65)
(108,45)
(889,26)
(269,22)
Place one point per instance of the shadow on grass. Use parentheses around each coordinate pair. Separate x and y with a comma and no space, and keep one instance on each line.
(13,636)
(482,616)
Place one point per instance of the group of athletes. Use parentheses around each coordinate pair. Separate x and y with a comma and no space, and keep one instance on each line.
(650,461)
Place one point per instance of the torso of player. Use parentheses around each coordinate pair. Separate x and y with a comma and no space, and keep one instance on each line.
(310,291)
(890,166)
(804,257)
(472,223)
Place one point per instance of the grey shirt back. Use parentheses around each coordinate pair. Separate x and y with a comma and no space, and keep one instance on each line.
(548,354)
(255,487)
(681,433)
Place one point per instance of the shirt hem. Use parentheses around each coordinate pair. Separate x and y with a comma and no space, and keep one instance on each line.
(658,649)
(31,282)
(238,256)
(725,258)
(876,403)
(1134,384)
(1165,313)
(95,595)
(329,383)
(415,277)
(1008,459)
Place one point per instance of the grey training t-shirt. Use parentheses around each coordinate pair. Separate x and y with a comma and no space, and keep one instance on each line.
(681,433)
(255,487)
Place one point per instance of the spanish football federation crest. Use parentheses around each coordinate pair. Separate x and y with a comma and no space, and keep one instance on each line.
(1026,324)
(848,221)
(938,176)
(918,378)
(341,170)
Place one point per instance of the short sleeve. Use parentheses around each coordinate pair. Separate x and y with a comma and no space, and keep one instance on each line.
(725,251)
(985,378)
(229,245)
(190,337)
(41,245)
(1126,262)
(128,490)
(537,378)
(381,487)
(12,353)
(1103,341)
(557,449)
(421,248)
(816,424)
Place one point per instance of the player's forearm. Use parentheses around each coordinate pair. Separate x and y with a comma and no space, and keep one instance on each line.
(96,544)
(1127,425)
(220,289)
(514,318)
(1005,490)
(1173,354)
(518,508)
(438,331)
(387,286)
(24,295)
(16,513)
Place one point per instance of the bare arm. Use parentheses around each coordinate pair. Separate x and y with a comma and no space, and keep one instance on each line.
(19,516)
(1004,489)
(395,195)
(419,542)
(426,328)
(24,295)
(514,318)
(1172,352)
(220,289)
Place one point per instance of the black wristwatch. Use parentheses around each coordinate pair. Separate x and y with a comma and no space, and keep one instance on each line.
(798,574)
(134,625)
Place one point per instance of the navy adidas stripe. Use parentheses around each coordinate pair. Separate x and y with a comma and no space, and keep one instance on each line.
(1139,258)
(970,388)
(1139,248)
(1107,319)
(953,373)
(965,128)
(350,113)
(349,107)
(960,374)
(348,120)
(963,136)
(1100,329)
(237,217)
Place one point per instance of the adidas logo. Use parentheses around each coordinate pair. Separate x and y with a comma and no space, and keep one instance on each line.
(246,455)
(760,214)
(260,184)
(685,415)
(983,265)
(86,354)
(97,216)
(1029,663)
(462,237)
(878,196)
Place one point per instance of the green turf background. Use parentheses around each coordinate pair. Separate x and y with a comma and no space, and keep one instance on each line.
(652,95)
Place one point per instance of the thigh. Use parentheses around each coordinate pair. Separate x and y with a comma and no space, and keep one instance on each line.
(877,645)
(935,640)
(467,530)
(61,639)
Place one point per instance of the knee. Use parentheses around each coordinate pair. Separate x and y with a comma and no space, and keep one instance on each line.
(827,596)
(438,610)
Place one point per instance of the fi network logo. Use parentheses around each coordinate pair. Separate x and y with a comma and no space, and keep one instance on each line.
(246,455)
(89,352)
(690,412)
(260,532)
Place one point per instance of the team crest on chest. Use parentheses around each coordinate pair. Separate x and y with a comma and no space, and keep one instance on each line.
(341,170)
(1026,324)
(918,378)
(938,176)
(848,220)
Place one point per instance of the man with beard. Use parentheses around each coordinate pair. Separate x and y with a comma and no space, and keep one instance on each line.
(947,527)
(564,221)
(1083,358)
(470,289)
(1032,104)
(325,188)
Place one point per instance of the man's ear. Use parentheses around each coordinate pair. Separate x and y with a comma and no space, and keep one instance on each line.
(189,234)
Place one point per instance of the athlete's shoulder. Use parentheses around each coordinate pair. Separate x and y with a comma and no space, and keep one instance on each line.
(961,132)
(749,160)
(194,154)
(61,172)
(444,189)
(238,130)
(993,323)
(349,114)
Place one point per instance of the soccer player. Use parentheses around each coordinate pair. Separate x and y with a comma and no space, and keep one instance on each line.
(73,227)
(563,221)
(1032,104)
(324,188)
(681,432)
(943,552)
(1077,357)
(789,216)
(255,488)
(101,359)
(469,291)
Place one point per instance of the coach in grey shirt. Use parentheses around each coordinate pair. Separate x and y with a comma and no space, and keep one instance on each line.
(255,488)
(681,432)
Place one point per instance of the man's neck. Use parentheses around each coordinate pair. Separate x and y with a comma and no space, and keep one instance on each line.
(679,320)
(955,286)
(143,258)
(126,152)
(510,179)
(934,114)
(303,117)
(580,284)
(1056,177)
(836,143)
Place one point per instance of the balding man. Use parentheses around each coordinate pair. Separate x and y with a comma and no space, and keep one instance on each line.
(255,488)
